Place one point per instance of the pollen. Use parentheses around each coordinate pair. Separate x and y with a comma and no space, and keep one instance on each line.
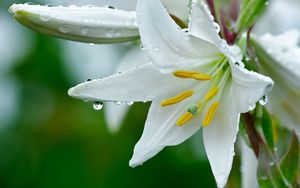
(210,114)
(177,98)
(212,93)
(201,76)
(184,119)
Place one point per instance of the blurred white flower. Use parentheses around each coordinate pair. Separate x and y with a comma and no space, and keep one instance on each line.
(284,69)
(205,75)
(281,15)
(248,166)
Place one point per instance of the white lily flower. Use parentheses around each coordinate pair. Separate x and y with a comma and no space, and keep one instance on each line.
(200,70)
(85,24)
(285,70)
(195,79)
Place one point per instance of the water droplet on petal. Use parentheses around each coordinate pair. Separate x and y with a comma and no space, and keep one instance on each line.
(130,103)
(217,27)
(142,47)
(91,44)
(30,3)
(264,100)
(252,107)
(109,6)
(117,102)
(45,18)
(65,28)
(72,6)
(97,105)
(271,163)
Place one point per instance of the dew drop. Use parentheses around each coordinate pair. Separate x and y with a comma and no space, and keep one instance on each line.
(142,47)
(30,3)
(72,6)
(65,28)
(252,107)
(88,80)
(271,163)
(264,100)
(217,27)
(117,102)
(130,103)
(91,44)
(90,6)
(109,6)
(45,18)
(97,105)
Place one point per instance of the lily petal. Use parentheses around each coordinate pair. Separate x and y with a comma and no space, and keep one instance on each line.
(114,114)
(240,95)
(173,47)
(248,87)
(139,84)
(83,24)
(202,23)
(161,131)
(220,136)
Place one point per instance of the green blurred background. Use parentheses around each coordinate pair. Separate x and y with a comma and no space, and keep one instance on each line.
(48,139)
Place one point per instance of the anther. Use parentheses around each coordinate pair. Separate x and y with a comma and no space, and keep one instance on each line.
(184,118)
(184,74)
(210,114)
(177,98)
(212,93)
(200,76)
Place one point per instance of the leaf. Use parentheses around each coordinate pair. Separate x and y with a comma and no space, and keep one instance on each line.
(267,127)
(88,24)
(289,164)
(268,172)
(250,12)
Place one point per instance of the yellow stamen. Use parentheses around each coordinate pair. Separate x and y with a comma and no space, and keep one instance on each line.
(210,114)
(177,98)
(201,76)
(212,93)
(184,74)
(184,118)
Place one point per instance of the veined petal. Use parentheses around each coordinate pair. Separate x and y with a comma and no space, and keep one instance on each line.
(202,23)
(248,87)
(141,83)
(220,136)
(83,24)
(115,114)
(161,131)
(166,43)
(249,166)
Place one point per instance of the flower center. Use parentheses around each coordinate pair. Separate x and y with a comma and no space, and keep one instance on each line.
(217,76)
